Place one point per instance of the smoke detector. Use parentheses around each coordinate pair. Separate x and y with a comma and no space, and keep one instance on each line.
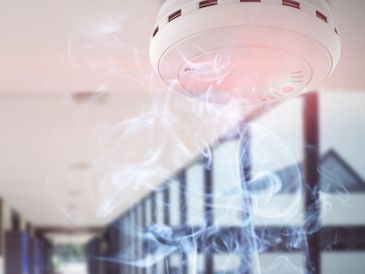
(249,51)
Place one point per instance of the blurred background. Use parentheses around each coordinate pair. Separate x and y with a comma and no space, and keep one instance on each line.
(103,170)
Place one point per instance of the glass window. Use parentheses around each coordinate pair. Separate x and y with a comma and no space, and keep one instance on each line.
(277,153)
(343,209)
(148,212)
(138,234)
(342,158)
(227,263)
(292,263)
(335,116)
(277,137)
(343,262)
(161,266)
(275,192)
(195,263)
(227,192)
(131,235)
(175,264)
(174,205)
(195,194)
(159,253)
(159,207)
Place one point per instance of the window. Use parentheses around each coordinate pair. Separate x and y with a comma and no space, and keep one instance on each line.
(195,195)
(227,192)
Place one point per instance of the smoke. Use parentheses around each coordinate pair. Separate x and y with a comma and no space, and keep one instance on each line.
(244,215)
(243,219)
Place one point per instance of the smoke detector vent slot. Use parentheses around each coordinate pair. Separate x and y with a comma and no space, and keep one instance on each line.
(207,3)
(155,32)
(175,15)
(321,16)
(291,3)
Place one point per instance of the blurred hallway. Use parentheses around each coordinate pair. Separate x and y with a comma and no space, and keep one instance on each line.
(105,169)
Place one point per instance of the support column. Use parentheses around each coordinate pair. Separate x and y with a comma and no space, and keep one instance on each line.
(143,229)
(209,213)
(154,221)
(16,248)
(135,238)
(113,247)
(49,268)
(38,256)
(93,249)
(111,240)
(123,242)
(31,249)
(312,182)
(183,216)
(166,220)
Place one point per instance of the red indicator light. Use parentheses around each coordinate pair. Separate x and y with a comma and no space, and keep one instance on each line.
(288,89)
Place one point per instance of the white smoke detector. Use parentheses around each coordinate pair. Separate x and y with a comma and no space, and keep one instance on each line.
(249,51)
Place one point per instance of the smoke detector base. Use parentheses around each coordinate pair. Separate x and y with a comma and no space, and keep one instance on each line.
(249,52)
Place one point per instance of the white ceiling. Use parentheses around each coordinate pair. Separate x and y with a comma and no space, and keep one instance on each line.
(65,163)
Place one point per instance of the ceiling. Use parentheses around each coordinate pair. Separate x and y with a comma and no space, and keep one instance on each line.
(80,159)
